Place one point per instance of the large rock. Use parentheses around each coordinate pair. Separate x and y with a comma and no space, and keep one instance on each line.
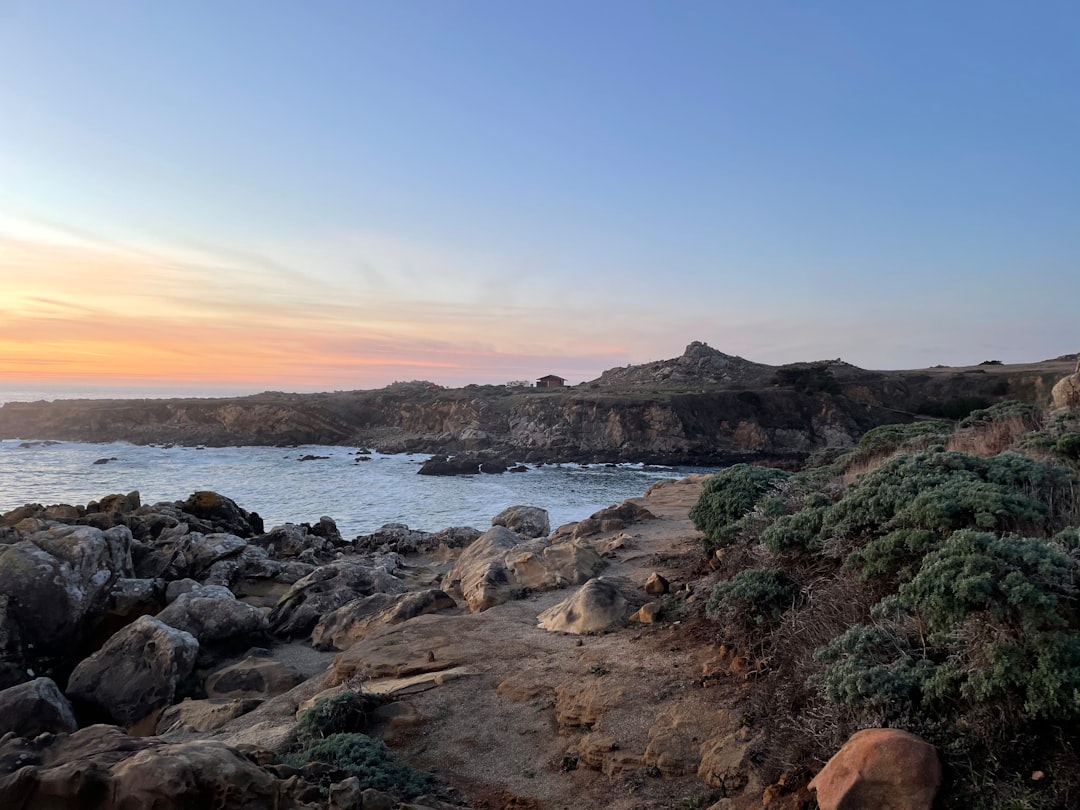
(57,582)
(884,768)
(526,521)
(399,538)
(480,574)
(212,615)
(254,677)
(221,514)
(135,674)
(1066,393)
(353,621)
(326,589)
(294,539)
(100,767)
(34,708)
(541,565)
(595,606)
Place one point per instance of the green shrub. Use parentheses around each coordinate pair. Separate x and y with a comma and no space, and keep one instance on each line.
(795,533)
(338,714)
(1068,446)
(366,758)
(887,438)
(727,496)
(1009,409)
(944,491)
(997,626)
(755,596)
(897,553)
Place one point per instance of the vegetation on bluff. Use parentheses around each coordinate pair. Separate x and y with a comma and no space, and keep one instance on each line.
(331,733)
(928,580)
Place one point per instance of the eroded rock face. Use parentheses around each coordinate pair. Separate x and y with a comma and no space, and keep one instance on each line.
(595,606)
(480,573)
(353,621)
(880,767)
(34,708)
(100,766)
(135,674)
(526,521)
(326,589)
(254,677)
(57,583)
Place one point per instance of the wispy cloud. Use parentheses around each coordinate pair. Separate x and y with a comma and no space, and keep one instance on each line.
(77,307)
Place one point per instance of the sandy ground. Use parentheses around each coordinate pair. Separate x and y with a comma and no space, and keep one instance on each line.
(495,733)
(514,716)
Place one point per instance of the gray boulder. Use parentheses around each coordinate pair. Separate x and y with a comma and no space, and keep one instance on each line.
(327,588)
(212,614)
(34,708)
(135,674)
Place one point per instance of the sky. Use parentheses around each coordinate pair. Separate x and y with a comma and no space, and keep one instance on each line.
(339,194)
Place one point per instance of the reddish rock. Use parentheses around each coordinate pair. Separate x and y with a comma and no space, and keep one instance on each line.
(883,768)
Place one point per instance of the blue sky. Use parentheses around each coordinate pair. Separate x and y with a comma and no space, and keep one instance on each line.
(308,195)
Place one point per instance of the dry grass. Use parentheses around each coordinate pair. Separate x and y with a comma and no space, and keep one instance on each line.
(992,438)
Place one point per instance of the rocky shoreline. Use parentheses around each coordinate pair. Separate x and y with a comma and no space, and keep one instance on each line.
(165,652)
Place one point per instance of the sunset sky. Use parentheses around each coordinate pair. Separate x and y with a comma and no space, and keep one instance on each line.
(338,194)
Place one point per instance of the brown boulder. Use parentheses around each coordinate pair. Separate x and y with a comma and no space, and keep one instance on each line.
(595,606)
(1066,393)
(883,768)
(102,767)
(252,678)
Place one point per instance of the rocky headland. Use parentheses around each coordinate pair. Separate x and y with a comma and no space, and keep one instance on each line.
(703,407)
(891,627)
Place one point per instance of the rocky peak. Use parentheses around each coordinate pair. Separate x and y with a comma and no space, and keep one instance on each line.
(699,364)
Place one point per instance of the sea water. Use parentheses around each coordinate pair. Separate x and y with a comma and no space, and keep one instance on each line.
(360,495)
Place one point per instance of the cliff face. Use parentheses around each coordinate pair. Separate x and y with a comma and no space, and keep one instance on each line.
(703,407)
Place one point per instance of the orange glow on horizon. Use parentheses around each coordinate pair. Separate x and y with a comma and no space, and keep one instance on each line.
(100,314)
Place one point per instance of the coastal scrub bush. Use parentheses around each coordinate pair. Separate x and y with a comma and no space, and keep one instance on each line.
(755,597)
(889,438)
(988,621)
(942,491)
(344,712)
(366,758)
(1000,411)
(728,495)
(1068,446)
(795,533)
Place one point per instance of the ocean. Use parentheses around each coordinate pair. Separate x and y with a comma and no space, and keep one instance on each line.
(360,495)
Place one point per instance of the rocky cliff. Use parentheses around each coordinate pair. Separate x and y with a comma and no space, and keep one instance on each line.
(701,407)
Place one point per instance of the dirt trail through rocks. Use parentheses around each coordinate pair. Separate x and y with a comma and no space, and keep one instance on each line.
(514,716)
